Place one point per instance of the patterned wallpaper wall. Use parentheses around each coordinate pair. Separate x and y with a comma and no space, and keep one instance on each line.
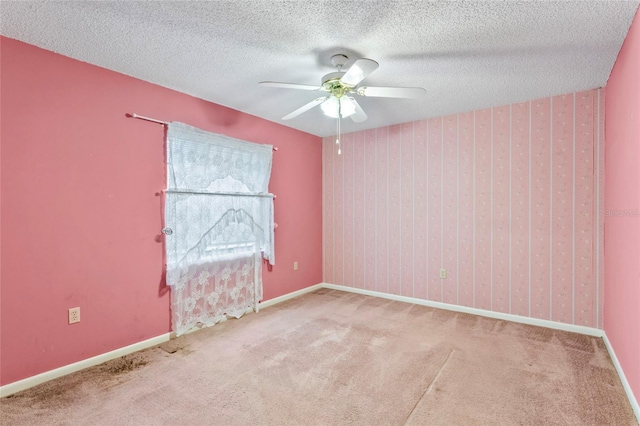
(508,200)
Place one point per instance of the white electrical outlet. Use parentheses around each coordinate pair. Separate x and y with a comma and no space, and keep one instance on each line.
(443,273)
(74,315)
(295,266)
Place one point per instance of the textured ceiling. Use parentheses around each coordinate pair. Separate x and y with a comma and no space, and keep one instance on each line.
(467,55)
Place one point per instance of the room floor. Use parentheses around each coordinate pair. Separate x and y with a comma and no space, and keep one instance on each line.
(332,357)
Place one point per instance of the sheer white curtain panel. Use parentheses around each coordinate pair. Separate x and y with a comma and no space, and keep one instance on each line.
(221,217)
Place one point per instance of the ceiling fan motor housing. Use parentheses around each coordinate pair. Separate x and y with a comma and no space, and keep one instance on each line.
(332,84)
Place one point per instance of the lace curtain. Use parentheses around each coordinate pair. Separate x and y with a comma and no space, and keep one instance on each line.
(221,221)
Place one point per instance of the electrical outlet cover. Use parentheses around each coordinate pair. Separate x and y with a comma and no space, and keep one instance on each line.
(74,315)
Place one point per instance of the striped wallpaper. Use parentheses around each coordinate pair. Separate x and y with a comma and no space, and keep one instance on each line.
(508,200)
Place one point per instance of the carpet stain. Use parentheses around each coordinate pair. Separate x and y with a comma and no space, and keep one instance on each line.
(524,331)
(53,395)
(577,341)
(466,321)
(419,311)
(442,316)
(123,365)
(176,346)
(51,398)
(66,390)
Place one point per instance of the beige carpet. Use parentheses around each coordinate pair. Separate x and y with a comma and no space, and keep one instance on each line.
(332,358)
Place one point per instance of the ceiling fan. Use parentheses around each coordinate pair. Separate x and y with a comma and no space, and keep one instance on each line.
(340,85)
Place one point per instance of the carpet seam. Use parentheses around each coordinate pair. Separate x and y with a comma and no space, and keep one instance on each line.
(426,391)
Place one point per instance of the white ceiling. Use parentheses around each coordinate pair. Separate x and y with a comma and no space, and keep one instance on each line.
(467,55)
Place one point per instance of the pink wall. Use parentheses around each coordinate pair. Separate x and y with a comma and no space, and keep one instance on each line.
(622,204)
(80,218)
(506,199)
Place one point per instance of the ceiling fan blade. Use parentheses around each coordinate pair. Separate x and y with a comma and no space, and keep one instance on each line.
(359,116)
(304,108)
(288,85)
(392,92)
(359,71)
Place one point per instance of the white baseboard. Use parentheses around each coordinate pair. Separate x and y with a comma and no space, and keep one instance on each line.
(590,331)
(291,295)
(623,379)
(32,381)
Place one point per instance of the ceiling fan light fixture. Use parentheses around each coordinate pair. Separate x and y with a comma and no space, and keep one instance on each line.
(334,107)
(330,107)
(347,107)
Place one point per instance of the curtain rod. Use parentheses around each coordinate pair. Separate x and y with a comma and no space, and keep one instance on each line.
(142,117)
(153,120)
(243,194)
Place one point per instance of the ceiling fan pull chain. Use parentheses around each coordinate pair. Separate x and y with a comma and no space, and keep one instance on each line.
(338,128)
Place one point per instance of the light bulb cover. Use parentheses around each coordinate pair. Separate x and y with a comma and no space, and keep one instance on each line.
(344,105)
(347,107)
(330,107)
